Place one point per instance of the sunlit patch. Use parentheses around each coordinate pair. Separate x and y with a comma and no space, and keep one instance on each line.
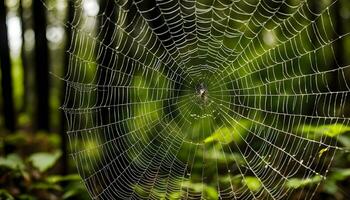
(90,7)
(14,34)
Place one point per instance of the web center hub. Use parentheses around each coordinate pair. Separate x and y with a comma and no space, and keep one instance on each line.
(202,93)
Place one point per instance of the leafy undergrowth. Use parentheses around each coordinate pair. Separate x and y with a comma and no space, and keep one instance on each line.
(30,169)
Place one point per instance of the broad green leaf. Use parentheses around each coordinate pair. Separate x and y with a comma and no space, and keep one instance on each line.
(252,183)
(299,182)
(228,134)
(12,161)
(43,160)
(330,130)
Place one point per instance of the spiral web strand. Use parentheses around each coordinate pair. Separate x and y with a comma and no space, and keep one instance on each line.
(211,99)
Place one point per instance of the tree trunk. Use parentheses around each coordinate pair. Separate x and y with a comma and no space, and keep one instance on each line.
(63,126)
(6,77)
(41,67)
(338,48)
(106,36)
(24,61)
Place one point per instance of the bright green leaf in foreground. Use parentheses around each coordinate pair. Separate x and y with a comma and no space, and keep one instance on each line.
(43,160)
(12,161)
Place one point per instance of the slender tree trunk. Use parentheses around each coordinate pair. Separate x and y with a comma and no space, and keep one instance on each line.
(6,77)
(315,8)
(41,67)
(338,48)
(63,127)
(24,61)
(106,36)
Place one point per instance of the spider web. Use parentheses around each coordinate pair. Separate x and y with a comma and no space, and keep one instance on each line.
(205,99)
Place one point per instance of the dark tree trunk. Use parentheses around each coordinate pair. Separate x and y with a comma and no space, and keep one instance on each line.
(106,36)
(315,7)
(41,67)
(63,126)
(6,77)
(24,61)
(338,48)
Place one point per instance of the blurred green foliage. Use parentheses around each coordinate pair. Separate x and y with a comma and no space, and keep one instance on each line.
(330,130)
(32,171)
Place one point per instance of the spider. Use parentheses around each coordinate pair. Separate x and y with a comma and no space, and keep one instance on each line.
(202,92)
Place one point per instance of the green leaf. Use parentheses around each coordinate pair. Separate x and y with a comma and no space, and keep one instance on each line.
(75,190)
(252,183)
(299,182)
(222,157)
(228,134)
(330,187)
(231,179)
(13,162)
(45,186)
(210,192)
(43,160)
(70,193)
(58,178)
(340,174)
(4,194)
(175,195)
(330,130)
(344,140)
